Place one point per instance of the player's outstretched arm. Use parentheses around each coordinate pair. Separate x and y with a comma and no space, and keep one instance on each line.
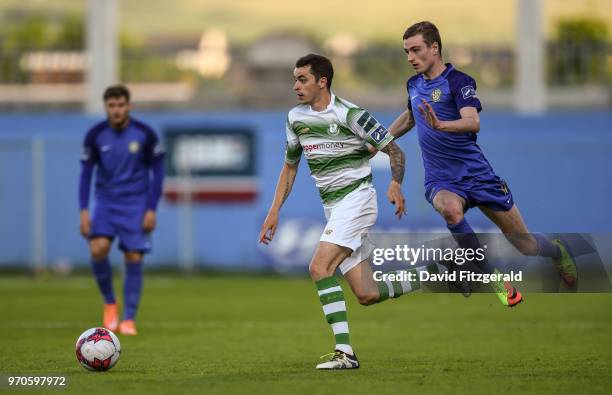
(283,188)
(469,121)
(402,124)
(397,160)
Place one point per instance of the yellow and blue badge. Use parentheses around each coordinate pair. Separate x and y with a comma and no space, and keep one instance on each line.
(436,95)
(134,147)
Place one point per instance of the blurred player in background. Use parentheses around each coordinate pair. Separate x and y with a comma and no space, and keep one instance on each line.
(333,135)
(457,174)
(129,166)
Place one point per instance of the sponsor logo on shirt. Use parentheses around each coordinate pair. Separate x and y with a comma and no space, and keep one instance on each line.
(105,148)
(436,95)
(379,134)
(324,146)
(134,147)
(468,91)
(333,129)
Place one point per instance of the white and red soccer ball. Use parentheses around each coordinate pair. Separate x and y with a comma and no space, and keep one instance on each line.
(98,349)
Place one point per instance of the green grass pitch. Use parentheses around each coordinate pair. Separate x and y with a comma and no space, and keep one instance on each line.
(263,335)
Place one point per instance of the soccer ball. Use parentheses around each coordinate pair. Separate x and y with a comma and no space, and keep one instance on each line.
(98,349)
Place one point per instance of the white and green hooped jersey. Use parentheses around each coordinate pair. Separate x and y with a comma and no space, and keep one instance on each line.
(334,144)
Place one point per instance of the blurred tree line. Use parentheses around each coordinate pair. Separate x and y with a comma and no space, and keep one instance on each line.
(36,33)
(40,33)
(578,54)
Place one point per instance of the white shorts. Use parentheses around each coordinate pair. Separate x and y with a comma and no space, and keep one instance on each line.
(348,222)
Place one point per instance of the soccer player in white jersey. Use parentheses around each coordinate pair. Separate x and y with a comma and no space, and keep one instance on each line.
(333,135)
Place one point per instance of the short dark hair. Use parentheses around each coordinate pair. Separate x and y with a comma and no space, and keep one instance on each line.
(428,30)
(117,91)
(320,66)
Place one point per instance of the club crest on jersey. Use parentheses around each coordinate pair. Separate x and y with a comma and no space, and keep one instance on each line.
(134,147)
(436,95)
(333,129)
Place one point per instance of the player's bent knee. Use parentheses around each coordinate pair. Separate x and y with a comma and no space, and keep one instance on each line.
(318,271)
(367,298)
(133,257)
(452,214)
(99,248)
(99,251)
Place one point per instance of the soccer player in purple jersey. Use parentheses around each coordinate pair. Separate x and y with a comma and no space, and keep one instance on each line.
(129,166)
(457,174)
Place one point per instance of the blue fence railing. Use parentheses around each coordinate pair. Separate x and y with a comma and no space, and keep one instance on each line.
(558,166)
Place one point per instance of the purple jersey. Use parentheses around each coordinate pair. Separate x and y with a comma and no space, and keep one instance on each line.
(123,161)
(447,157)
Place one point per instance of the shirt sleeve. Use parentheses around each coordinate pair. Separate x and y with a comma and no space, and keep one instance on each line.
(154,148)
(85,184)
(157,181)
(463,89)
(89,158)
(90,154)
(409,102)
(154,153)
(368,128)
(293,151)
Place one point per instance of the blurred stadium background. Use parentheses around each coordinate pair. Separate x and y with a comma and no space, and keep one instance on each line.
(214,79)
